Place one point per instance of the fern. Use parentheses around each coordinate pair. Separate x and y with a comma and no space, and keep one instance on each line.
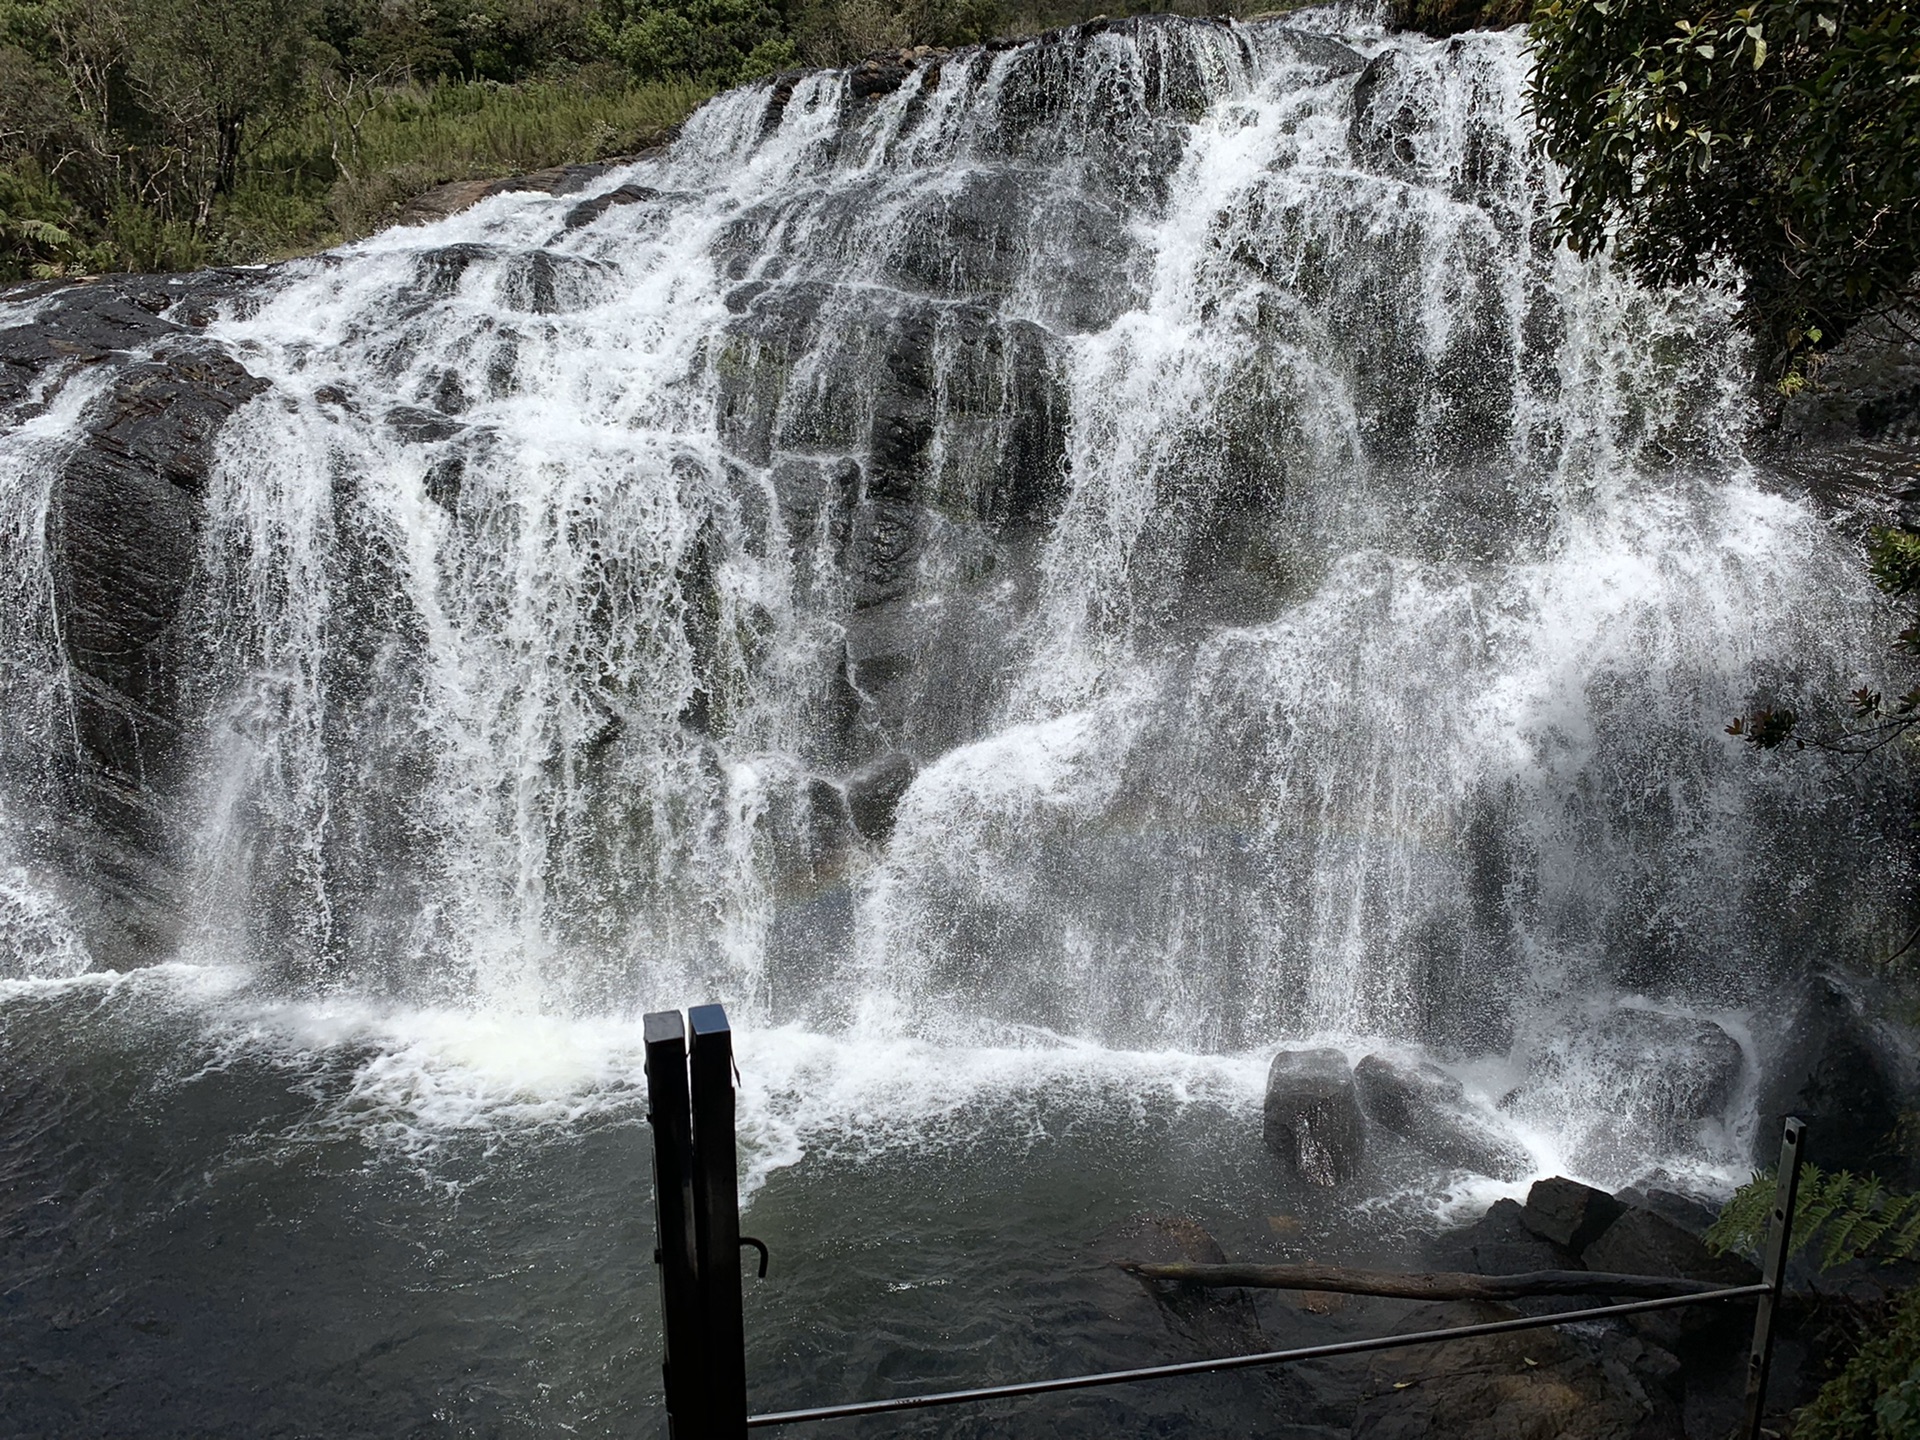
(1853,1217)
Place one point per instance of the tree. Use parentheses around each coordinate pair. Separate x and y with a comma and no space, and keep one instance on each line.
(1782,137)
(210,73)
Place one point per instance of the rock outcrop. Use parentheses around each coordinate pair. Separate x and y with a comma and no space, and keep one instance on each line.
(1428,1108)
(1834,1072)
(123,517)
(1313,1117)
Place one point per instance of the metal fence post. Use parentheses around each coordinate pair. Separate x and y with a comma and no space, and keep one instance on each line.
(1773,1273)
(716,1208)
(676,1252)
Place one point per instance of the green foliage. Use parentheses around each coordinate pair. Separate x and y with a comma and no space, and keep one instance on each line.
(1893,559)
(1781,136)
(1767,728)
(145,134)
(1853,1217)
(709,41)
(408,139)
(37,232)
(1877,1395)
(151,134)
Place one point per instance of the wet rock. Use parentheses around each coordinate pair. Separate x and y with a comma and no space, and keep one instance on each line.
(1500,1243)
(1644,1074)
(1832,1072)
(1313,1118)
(873,79)
(882,643)
(1568,1213)
(1428,1108)
(587,211)
(457,195)
(829,825)
(122,543)
(1534,1385)
(1641,1242)
(873,795)
(1689,1212)
(1866,389)
(545,282)
(416,426)
(1384,120)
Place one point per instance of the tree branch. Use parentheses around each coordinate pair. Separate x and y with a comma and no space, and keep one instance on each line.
(1438,1285)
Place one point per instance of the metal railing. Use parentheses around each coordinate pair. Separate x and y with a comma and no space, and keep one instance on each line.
(696,1206)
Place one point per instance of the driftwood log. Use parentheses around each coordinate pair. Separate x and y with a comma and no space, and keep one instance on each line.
(1439,1285)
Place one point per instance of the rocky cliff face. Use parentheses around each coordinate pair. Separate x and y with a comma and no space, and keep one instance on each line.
(122,520)
(1136,532)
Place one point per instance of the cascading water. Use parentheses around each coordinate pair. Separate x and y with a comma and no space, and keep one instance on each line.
(1116,554)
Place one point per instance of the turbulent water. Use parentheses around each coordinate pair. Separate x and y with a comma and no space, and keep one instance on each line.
(1036,587)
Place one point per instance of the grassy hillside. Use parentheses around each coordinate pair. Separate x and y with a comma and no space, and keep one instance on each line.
(147,135)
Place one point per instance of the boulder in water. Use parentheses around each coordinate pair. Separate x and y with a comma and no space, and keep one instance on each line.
(1427,1107)
(1199,1320)
(1636,1080)
(1313,1116)
(1568,1213)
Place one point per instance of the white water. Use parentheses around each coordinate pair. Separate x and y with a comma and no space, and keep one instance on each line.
(1311,598)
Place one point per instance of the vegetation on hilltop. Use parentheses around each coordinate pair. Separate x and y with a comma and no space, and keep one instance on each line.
(155,135)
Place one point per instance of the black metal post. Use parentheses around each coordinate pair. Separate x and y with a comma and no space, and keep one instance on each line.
(1773,1273)
(716,1199)
(676,1251)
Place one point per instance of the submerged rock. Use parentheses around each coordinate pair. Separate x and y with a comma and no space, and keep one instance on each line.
(1313,1117)
(1428,1108)
(1213,1320)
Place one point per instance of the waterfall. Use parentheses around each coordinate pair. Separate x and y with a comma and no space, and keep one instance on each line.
(1135,539)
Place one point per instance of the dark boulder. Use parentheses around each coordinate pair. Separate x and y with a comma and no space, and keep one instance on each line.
(587,211)
(1833,1072)
(873,795)
(1313,1116)
(1499,1243)
(1689,1212)
(1428,1108)
(1642,1242)
(1568,1213)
